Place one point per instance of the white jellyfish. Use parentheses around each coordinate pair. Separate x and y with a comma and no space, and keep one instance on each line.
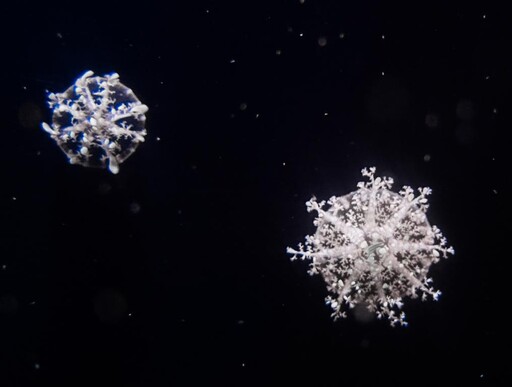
(374,247)
(97,122)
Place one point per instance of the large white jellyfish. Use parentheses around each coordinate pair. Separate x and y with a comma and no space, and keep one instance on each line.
(373,247)
(97,122)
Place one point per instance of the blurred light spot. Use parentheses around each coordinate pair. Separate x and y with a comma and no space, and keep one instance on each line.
(432,120)
(134,208)
(104,188)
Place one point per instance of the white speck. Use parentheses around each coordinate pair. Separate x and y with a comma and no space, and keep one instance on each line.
(207,11)
(243,106)
(24,87)
(326,114)
(484,16)
(426,158)
(257,115)
(382,73)
(278,52)
(243,364)
(487,77)
(129,315)
(37,366)
(158,139)
(14,198)
(232,61)
(342,35)
(4,267)
(496,192)
(284,164)
(59,35)
(383,37)
(301,34)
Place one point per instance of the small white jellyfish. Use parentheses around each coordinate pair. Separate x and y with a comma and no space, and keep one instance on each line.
(97,122)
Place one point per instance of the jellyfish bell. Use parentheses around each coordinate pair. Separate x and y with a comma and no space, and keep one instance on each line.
(97,122)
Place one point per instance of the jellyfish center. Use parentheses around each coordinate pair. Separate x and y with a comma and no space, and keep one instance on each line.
(372,251)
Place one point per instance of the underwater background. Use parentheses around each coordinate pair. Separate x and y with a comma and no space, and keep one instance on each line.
(174,272)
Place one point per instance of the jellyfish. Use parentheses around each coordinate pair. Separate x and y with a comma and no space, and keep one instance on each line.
(374,247)
(97,122)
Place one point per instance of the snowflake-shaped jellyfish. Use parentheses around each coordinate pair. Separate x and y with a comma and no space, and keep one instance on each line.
(374,247)
(97,122)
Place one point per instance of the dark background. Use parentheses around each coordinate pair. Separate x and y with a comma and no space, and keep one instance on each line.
(174,271)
